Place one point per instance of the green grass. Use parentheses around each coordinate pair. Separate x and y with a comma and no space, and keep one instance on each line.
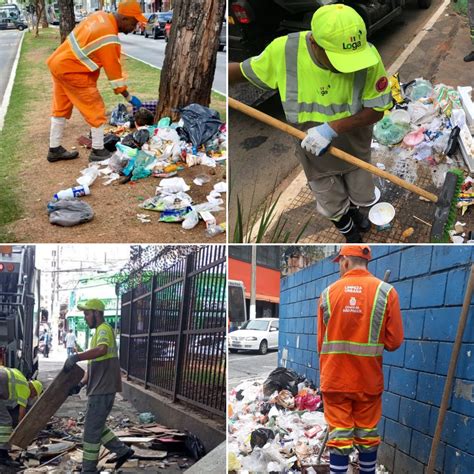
(461,6)
(30,90)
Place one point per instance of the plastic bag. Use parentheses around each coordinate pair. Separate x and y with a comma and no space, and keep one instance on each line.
(89,175)
(307,401)
(260,437)
(69,212)
(221,187)
(110,141)
(421,113)
(172,185)
(118,161)
(174,215)
(167,201)
(119,115)
(191,220)
(200,123)
(388,133)
(281,379)
(168,135)
(285,400)
(146,417)
(419,89)
(143,166)
(201,179)
(194,446)
(141,136)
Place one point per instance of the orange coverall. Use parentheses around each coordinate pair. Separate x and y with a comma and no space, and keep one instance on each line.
(75,67)
(358,317)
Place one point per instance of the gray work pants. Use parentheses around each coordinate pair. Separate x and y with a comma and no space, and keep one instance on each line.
(97,434)
(5,425)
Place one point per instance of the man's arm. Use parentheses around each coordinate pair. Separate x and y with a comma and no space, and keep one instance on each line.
(21,413)
(393,323)
(235,73)
(360,119)
(98,351)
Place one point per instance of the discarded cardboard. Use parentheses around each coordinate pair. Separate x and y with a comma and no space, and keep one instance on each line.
(46,406)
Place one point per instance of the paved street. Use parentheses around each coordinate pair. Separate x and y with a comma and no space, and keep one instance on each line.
(153,52)
(9,41)
(249,365)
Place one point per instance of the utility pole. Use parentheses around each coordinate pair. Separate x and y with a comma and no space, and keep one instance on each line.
(253,285)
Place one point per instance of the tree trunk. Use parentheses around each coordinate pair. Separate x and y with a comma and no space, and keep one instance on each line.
(43,17)
(67,20)
(39,8)
(190,55)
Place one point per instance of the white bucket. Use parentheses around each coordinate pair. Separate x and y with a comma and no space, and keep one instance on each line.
(381,215)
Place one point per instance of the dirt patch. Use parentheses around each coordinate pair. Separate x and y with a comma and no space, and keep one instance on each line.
(115,206)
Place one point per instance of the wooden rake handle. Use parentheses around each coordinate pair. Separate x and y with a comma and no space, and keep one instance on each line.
(256,114)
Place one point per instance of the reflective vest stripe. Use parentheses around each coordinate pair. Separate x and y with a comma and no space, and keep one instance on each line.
(99,43)
(107,436)
(341,434)
(381,101)
(325,305)
(80,55)
(352,348)
(118,83)
(247,71)
(291,105)
(378,311)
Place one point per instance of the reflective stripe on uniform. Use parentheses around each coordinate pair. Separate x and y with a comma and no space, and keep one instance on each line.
(366,439)
(247,70)
(99,43)
(378,311)
(91,451)
(352,348)
(80,54)
(325,305)
(107,436)
(118,83)
(293,107)
(341,433)
(381,101)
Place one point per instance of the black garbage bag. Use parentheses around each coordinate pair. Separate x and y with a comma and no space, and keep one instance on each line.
(128,140)
(194,446)
(282,379)
(110,140)
(260,437)
(200,123)
(119,115)
(69,212)
(141,137)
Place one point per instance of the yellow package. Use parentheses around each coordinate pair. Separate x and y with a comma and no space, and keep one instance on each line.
(396,89)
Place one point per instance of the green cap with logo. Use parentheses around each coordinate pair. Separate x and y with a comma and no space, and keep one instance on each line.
(341,32)
(91,305)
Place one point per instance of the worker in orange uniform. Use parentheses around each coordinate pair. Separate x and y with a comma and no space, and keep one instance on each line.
(75,67)
(358,317)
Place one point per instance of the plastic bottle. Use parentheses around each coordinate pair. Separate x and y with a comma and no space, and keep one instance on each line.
(215,229)
(76,191)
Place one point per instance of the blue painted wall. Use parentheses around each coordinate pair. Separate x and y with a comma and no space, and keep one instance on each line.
(430,281)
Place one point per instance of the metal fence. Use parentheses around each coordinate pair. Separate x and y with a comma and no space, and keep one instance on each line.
(173,328)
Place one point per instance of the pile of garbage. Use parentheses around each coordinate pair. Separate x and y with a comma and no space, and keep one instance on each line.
(143,149)
(277,425)
(58,448)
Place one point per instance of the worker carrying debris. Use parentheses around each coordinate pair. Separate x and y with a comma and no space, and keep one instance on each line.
(331,82)
(15,392)
(103,381)
(75,67)
(358,317)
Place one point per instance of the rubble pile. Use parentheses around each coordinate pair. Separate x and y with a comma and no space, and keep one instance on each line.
(58,448)
(277,425)
(163,150)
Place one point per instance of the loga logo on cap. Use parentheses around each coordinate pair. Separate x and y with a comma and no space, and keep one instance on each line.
(354,42)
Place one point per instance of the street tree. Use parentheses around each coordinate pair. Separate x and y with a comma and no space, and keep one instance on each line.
(190,55)
(66,18)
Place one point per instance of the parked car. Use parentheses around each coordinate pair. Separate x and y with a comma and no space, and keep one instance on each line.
(156,24)
(12,24)
(255,335)
(140,28)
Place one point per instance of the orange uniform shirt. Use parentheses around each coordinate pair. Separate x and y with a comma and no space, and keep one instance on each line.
(92,45)
(357,331)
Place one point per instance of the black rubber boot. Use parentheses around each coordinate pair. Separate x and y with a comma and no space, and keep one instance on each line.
(124,458)
(360,220)
(469,57)
(99,155)
(348,229)
(60,153)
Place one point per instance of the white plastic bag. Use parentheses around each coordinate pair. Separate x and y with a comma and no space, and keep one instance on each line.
(89,175)
(172,185)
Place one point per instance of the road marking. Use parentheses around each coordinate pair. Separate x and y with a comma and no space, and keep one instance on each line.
(11,80)
(156,67)
(417,39)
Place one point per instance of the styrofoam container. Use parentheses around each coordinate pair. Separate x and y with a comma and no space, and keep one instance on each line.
(381,215)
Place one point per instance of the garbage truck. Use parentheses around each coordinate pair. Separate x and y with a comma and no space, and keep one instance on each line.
(19,309)
(255,23)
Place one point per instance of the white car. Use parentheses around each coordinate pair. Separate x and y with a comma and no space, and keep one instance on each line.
(255,335)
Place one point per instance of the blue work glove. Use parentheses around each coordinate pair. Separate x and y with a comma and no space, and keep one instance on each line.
(318,139)
(70,362)
(135,101)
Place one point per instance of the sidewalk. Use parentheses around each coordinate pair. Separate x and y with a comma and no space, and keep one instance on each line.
(438,58)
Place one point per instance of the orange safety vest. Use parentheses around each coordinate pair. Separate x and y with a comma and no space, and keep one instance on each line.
(93,44)
(358,317)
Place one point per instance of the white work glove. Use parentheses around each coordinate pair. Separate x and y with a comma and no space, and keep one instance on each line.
(318,139)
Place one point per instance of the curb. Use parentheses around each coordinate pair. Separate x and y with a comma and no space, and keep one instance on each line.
(11,81)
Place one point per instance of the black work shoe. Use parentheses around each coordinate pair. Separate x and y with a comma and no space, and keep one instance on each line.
(469,57)
(99,155)
(60,153)
(360,220)
(119,461)
(348,229)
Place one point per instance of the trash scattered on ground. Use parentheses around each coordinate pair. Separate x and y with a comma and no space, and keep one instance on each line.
(162,150)
(428,125)
(58,448)
(278,425)
(69,212)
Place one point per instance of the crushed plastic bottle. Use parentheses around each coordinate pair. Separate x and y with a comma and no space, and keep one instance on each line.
(215,229)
